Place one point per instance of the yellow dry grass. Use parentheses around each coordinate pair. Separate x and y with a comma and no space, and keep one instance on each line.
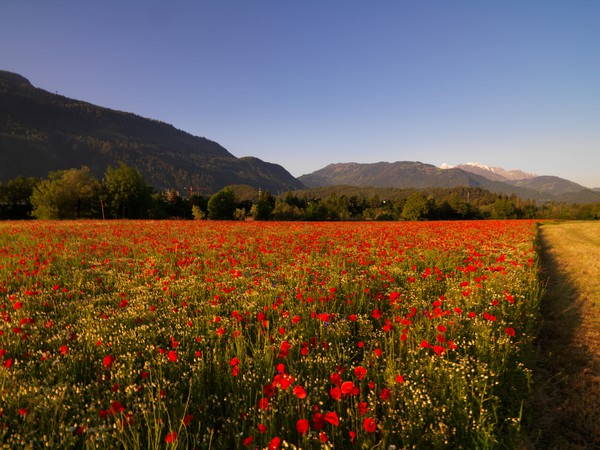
(566,393)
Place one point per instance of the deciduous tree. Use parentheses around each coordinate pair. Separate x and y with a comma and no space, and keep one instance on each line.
(66,194)
(222,205)
(127,194)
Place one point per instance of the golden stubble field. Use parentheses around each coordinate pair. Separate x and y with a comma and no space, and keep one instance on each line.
(567,376)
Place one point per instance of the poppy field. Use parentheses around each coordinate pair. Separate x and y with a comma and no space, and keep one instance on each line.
(205,334)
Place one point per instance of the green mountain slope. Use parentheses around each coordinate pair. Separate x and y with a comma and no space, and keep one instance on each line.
(41,132)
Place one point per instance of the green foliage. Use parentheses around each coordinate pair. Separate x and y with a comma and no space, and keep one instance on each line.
(66,194)
(459,203)
(125,194)
(128,195)
(286,211)
(15,198)
(197,213)
(171,205)
(222,205)
(264,206)
(417,207)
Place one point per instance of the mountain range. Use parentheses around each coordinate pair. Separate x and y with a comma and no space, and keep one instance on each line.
(41,132)
(414,174)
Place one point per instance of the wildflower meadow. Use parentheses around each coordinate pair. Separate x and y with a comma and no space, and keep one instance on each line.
(206,334)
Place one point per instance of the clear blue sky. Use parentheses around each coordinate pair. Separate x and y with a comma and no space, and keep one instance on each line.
(514,84)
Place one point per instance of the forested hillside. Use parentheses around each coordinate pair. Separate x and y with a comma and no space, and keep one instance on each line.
(41,132)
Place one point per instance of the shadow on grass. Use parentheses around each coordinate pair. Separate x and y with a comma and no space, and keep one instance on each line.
(566,392)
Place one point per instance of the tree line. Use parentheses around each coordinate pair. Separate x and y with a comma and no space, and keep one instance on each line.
(122,193)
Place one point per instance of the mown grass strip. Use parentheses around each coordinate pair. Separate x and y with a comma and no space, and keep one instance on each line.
(567,376)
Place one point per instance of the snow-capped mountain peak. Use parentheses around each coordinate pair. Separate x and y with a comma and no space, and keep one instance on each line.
(491,172)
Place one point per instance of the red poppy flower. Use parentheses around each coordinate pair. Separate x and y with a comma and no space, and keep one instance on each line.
(336,393)
(108,360)
(324,317)
(171,437)
(336,379)
(270,390)
(283,380)
(347,387)
(275,443)
(352,435)
(248,441)
(439,349)
(332,418)
(302,426)
(116,407)
(172,355)
(299,392)
(64,350)
(385,394)
(510,331)
(318,421)
(369,425)
(263,403)
(362,408)
(360,372)
(284,349)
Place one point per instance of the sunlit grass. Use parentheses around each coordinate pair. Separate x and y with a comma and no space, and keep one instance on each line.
(568,363)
